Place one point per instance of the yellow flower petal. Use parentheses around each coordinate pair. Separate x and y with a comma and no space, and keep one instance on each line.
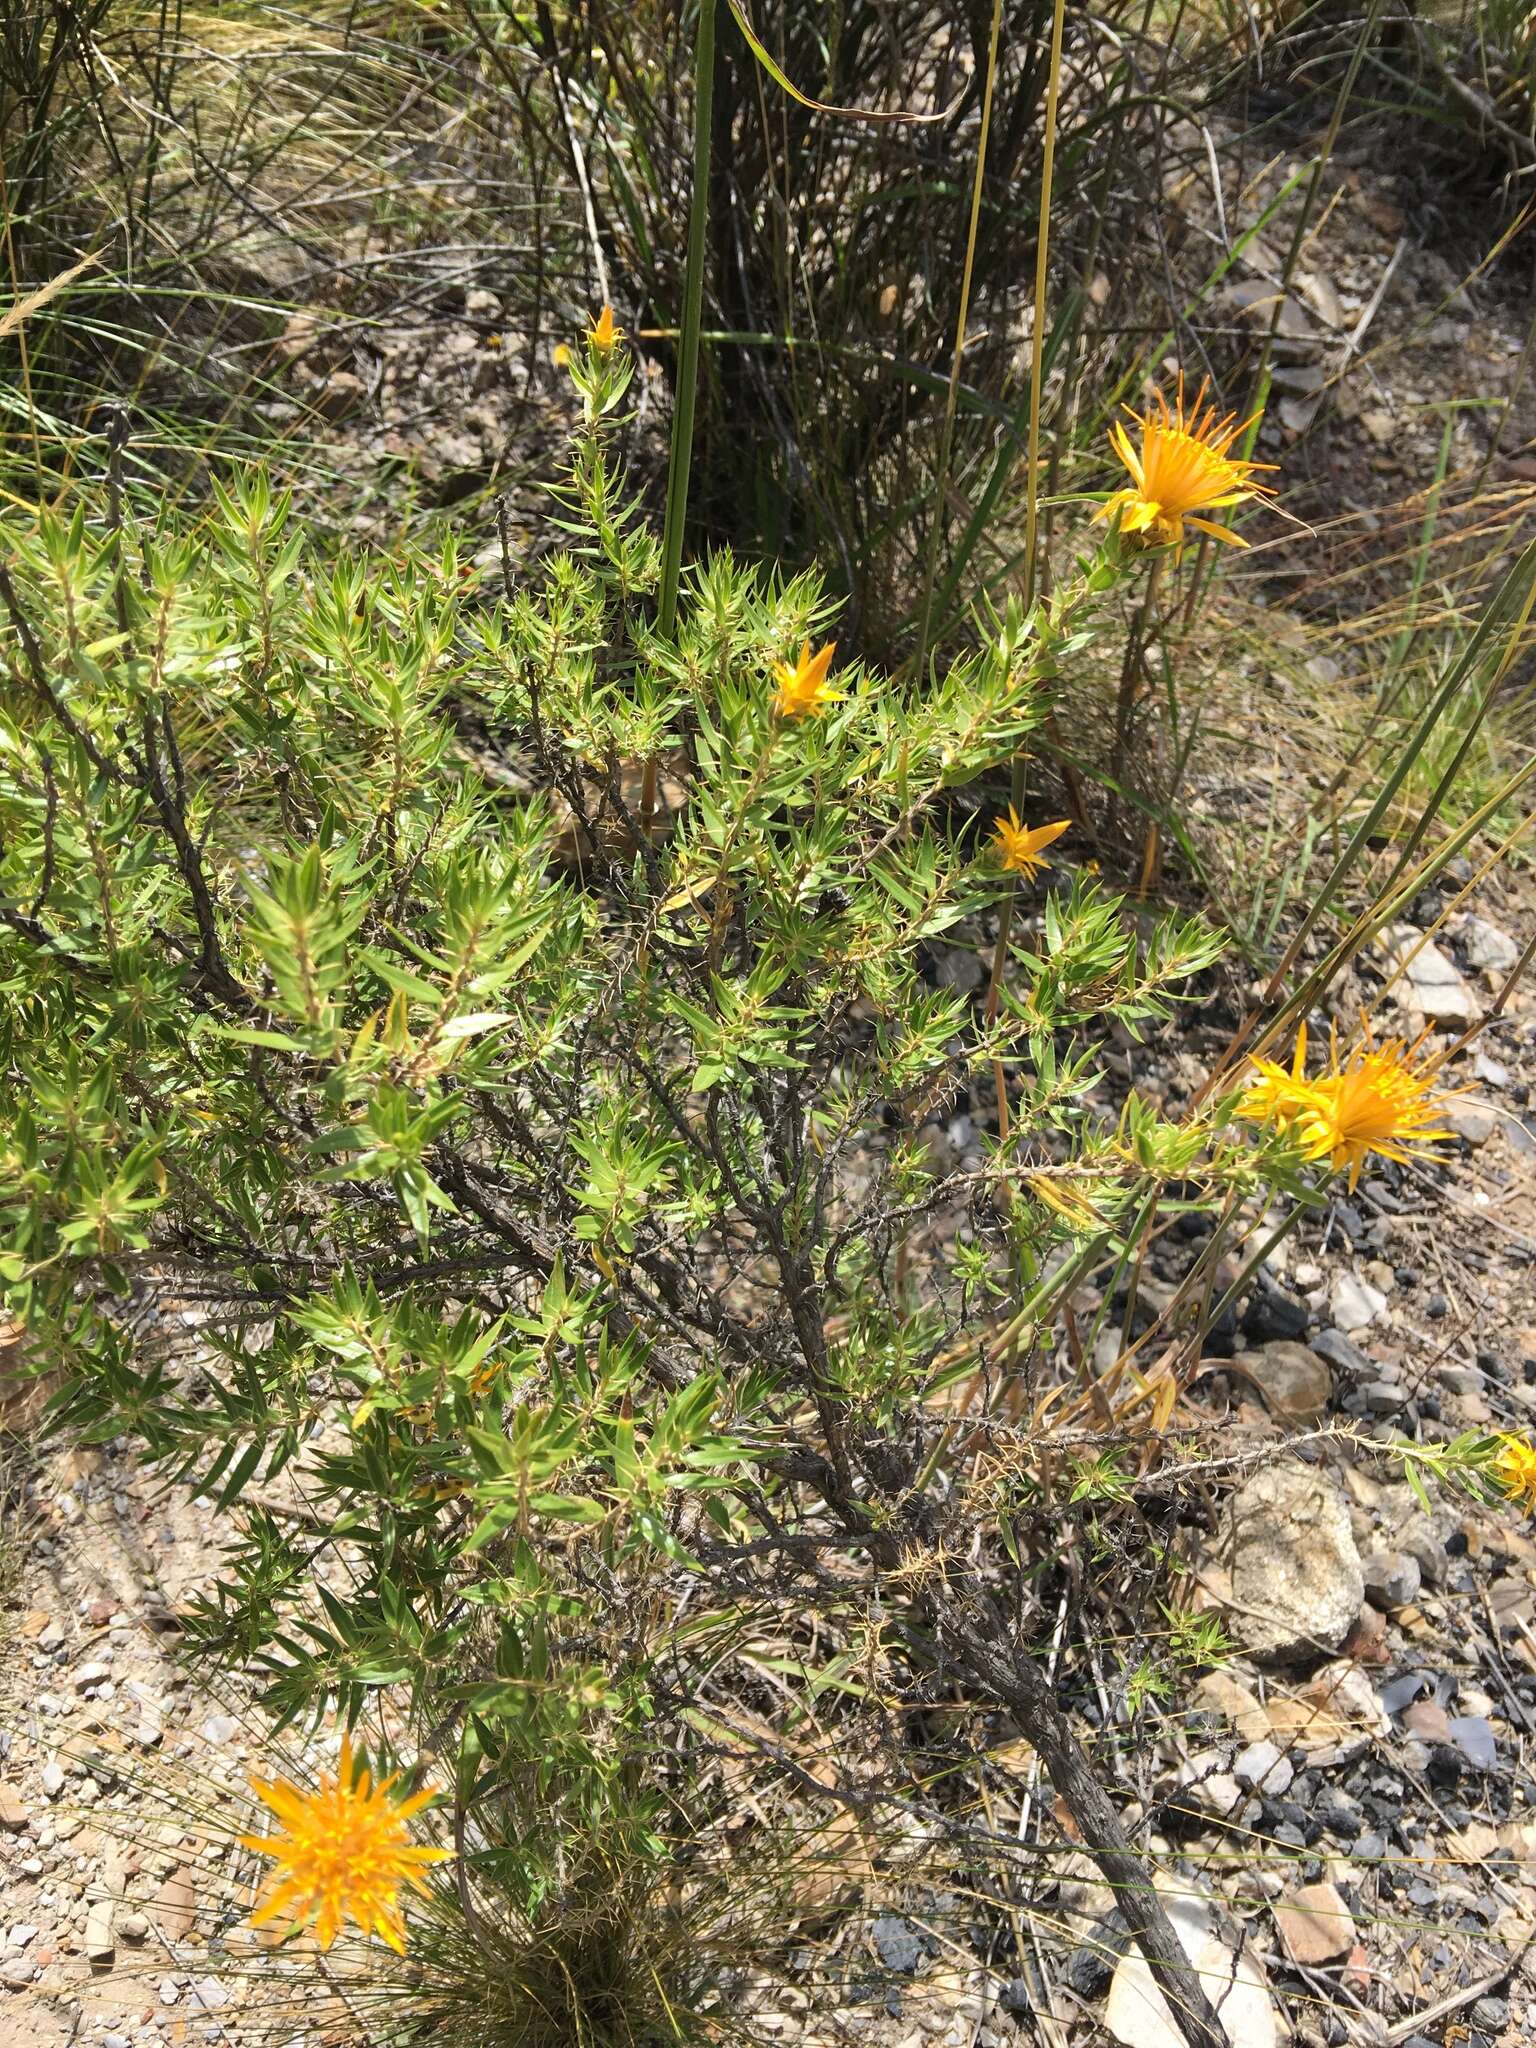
(1380,1099)
(605,333)
(1514,1468)
(341,1853)
(1019,846)
(803,689)
(1181,470)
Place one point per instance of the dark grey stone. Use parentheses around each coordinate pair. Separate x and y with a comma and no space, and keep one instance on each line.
(1333,1345)
(897,1945)
(1272,1314)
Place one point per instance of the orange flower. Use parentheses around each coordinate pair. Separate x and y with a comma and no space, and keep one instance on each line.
(1019,846)
(803,687)
(605,334)
(342,1853)
(1183,468)
(1381,1099)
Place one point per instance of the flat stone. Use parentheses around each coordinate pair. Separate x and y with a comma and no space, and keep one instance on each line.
(53,1779)
(91,1674)
(1474,1738)
(1218,1692)
(99,1946)
(1206,1788)
(1384,1397)
(174,1906)
(220,1729)
(1487,946)
(1314,1925)
(1296,1384)
(1473,1121)
(14,1813)
(1354,1303)
(1430,983)
(134,1928)
(1137,2014)
(1340,1353)
(1428,1720)
(209,1993)
(1392,1579)
(1343,1691)
(897,1944)
(1264,1767)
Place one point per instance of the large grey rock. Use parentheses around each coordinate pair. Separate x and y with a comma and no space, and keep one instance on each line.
(1297,1584)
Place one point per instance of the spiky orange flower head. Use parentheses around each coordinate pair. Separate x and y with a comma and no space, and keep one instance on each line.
(1183,468)
(342,1853)
(1514,1469)
(1277,1094)
(605,333)
(1380,1099)
(1020,847)
(803,689)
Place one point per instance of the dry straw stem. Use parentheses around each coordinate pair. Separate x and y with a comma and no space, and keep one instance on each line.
(34,301)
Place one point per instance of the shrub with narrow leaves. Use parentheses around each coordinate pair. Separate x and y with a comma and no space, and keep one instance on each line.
(507,1027)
